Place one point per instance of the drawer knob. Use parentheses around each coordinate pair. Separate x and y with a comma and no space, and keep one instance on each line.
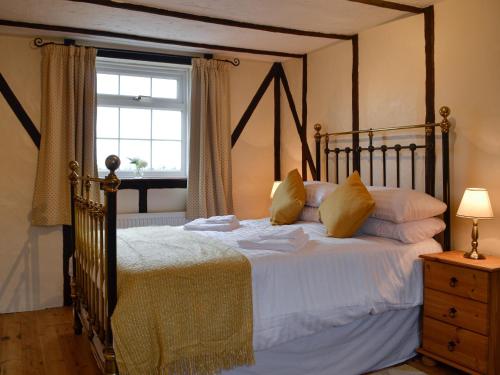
(452,312)
(453,282)
(451,346)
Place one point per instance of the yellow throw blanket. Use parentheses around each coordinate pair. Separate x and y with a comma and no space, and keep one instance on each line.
(184,304)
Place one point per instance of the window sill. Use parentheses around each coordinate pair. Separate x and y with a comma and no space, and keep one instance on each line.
(153,183)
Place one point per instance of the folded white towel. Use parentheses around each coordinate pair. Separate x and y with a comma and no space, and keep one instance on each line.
(222,219)
(201,224)
(283,244)
(282,232)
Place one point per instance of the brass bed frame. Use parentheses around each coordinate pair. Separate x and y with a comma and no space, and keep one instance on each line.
(353,155)
(94,260)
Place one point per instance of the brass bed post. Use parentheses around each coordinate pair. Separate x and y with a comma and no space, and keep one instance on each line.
(110,187)
(73,177)
(445,149)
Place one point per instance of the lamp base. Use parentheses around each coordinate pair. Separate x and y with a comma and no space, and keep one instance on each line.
(473,254)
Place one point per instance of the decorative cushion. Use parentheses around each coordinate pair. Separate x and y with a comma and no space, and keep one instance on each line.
(345,210)
(403,205)
(410,232)
(288,200)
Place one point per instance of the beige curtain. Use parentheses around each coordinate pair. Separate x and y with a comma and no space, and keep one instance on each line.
(67,128)
(209,182)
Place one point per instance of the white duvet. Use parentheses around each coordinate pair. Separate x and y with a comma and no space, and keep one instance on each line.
(329,282)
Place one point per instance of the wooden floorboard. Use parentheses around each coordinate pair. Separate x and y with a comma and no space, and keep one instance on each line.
(43,343)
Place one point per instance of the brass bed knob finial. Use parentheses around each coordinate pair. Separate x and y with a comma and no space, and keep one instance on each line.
(445,111)
(73,176)
(112,182)
(112,163)
(317,128)
(74,166)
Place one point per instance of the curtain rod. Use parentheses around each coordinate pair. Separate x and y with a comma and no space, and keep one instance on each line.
(113,52)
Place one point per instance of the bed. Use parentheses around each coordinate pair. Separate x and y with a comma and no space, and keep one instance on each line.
(345,306)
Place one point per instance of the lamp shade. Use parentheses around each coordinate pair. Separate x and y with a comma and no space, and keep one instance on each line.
(475,204)
(275,186)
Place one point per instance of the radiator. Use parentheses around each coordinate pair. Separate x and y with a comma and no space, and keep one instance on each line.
(149,219)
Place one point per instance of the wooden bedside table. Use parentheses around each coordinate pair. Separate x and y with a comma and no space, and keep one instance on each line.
(461,323)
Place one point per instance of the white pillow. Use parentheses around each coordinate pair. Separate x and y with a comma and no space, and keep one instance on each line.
(410,232)
(317,191)
(403,205)
(309,214)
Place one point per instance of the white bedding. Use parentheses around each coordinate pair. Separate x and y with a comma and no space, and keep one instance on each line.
(330,282)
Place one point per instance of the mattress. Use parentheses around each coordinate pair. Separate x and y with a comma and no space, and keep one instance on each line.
(330,282)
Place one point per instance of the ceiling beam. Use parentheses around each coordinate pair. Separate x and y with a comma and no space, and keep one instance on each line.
(212,20)
(112,34)
(390,5)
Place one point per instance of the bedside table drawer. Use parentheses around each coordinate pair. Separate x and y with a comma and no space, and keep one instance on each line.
(459,345)
(460,281)
(455,310)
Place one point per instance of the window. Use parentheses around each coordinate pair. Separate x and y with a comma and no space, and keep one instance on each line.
(142,113)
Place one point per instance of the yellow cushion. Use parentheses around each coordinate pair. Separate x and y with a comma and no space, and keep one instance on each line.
(345,210)
(288,200)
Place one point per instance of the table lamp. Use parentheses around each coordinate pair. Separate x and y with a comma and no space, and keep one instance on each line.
(275,186)
(475,205)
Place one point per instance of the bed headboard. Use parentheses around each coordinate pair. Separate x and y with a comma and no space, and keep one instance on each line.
(391,154)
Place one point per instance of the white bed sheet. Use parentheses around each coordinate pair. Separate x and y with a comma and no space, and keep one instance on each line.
(330,282)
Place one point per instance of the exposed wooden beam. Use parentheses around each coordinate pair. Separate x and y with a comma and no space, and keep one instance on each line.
(277,125)
(112,34)
(212,20)
(19,111)
(253,104)
(356,162)
(390,5)
(304,115)
(293,109)
(430,116)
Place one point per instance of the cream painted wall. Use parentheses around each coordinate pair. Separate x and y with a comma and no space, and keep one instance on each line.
(30,257)
(253,154)
(392,91)
(329,95)
(468,80)
(392,74)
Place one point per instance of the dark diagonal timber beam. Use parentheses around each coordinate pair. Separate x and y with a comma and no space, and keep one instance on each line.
(296,119)
(19,111)
(253,104)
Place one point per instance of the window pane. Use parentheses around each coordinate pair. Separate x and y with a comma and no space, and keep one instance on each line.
(165,88)
(167,155)
(135,123)
(167,125)
(107,122)
(134,149)
(107,84)
(134,86)
(105,147)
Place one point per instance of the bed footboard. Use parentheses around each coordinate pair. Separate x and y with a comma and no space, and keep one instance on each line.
(93,276)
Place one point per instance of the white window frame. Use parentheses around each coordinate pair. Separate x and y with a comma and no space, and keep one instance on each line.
(181,73)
